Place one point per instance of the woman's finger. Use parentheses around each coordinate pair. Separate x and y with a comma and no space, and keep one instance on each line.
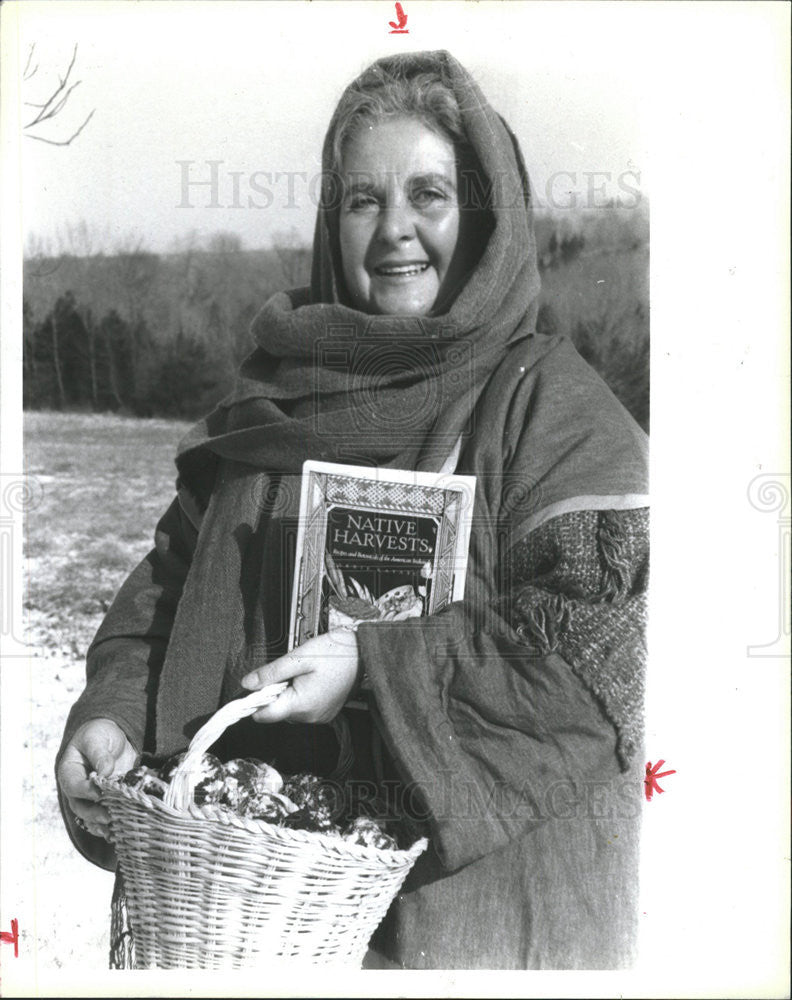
(88,813)
(282,669)
(283,708)
(96,829)
(74,781)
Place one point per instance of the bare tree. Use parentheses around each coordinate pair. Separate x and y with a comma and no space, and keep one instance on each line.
(134,270)
(207,275)
(294,257)
(43,276)
(82,245)
(224,251)
(50,274)
(223,242)
(53,105)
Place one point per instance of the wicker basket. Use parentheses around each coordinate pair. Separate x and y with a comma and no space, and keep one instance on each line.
(209,889)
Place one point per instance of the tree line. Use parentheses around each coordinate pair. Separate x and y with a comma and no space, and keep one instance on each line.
(143,333)
(163,334)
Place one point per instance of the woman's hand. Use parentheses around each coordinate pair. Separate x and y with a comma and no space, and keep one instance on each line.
(322,672)
(100,745)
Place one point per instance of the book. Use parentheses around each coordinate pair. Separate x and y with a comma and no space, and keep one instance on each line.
(377,545)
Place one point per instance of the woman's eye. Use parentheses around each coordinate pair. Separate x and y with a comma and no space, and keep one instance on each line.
(424,197)
(361,202)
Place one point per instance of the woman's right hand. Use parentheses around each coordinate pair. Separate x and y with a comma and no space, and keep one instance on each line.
(102,746)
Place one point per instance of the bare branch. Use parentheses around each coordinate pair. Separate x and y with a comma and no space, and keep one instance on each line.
(65,142)
(54,104)
(48,109)
(40,259)
(44,114)
(130,245)
(28,72)
(71,66)
(63,81)
(40,270)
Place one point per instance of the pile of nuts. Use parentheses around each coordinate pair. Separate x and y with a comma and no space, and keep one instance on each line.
(256,790)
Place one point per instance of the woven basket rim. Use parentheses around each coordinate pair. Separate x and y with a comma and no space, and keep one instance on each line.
(224,817)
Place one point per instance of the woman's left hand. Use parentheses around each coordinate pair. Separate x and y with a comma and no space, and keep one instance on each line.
(322,672)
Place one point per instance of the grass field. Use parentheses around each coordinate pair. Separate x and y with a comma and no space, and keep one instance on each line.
(104,482)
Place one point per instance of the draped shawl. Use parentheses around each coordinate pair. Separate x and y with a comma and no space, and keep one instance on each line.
(328,382)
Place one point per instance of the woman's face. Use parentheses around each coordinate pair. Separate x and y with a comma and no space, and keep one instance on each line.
(399,221)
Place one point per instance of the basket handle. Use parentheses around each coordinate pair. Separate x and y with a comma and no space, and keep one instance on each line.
(180,791)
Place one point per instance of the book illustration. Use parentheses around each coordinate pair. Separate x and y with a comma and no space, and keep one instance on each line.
(351,603)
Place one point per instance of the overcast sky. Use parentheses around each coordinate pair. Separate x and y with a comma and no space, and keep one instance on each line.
(253,85)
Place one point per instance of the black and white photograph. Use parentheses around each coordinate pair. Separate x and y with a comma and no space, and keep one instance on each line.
(332,334)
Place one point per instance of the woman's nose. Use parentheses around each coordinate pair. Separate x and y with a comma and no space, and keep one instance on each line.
(396,223)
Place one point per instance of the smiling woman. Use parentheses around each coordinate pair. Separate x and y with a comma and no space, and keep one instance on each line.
(510,721)
(399,227)
(408,234)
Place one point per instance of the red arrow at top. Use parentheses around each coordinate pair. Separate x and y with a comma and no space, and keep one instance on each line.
(400,25)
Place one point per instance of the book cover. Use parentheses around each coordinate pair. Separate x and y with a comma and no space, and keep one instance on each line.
(377,545)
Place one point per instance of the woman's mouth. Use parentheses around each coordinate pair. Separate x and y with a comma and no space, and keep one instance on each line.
(408,270)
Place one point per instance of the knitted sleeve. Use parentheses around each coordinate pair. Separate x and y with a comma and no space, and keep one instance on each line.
(579,589)
(503,705)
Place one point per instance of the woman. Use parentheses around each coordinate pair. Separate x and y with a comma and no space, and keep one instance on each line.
(513,718)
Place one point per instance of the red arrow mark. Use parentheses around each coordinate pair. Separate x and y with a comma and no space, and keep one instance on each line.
(650,781)
(13,937)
